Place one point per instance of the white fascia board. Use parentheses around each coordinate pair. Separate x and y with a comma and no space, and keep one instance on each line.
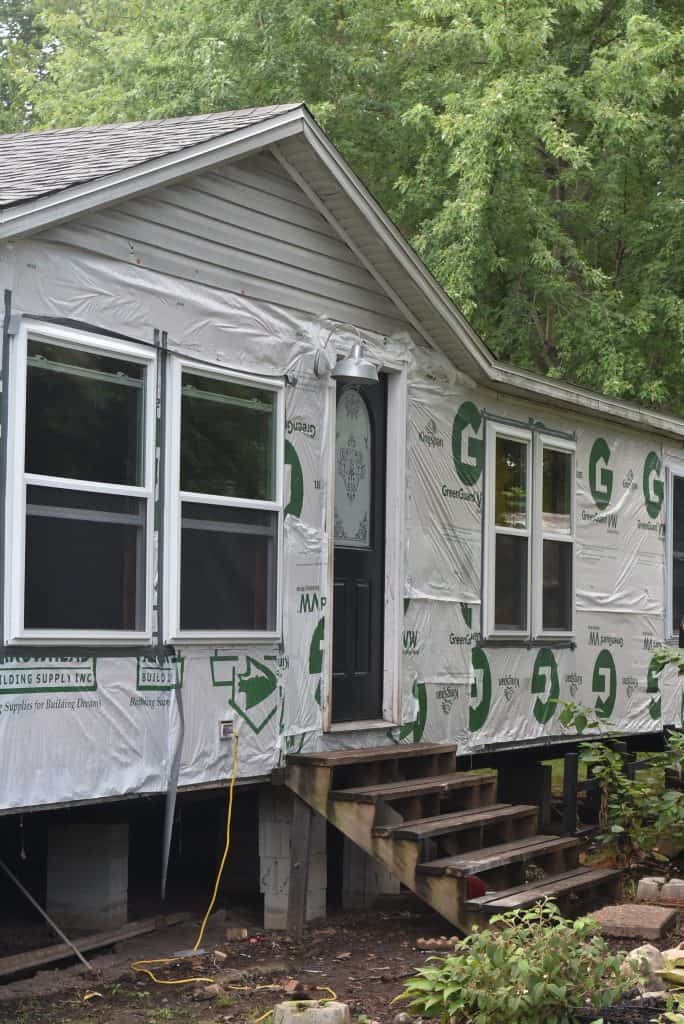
(56,207)
(514,381)
(357,192)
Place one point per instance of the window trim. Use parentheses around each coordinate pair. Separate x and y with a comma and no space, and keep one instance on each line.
(18,480)
(554,443)
(173,498)
(495,430)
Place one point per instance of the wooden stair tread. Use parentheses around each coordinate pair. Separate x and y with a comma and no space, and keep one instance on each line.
(495,856)
(413,787)
(388,752)
(441,824)
(554,885)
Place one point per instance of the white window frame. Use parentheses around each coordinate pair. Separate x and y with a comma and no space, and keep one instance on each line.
(491,530)
(174,498)
(672,470)
(539,535)
(18,480)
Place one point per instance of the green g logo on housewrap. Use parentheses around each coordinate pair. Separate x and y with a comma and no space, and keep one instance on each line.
(466,446)
(654,489)
(482,685)
(653,687)
(296,500)
(545,680)
(600,476)
(604,680)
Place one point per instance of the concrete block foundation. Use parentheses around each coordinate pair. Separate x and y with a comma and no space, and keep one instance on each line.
(275,821)
(87,876)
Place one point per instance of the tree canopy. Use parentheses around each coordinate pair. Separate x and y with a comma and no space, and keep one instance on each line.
(531,150)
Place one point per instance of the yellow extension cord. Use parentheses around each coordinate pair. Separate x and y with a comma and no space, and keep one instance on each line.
(139,965)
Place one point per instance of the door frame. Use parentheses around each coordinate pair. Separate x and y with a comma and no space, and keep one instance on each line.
(395,498)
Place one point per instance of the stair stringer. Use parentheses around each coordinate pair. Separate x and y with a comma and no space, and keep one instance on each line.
(355,819)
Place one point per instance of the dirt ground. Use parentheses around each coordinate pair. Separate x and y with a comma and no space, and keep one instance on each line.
(361,958)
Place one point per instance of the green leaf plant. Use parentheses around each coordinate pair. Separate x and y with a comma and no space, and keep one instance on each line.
(637,812)
(529,967)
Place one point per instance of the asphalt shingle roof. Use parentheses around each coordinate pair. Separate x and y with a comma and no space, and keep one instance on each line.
(36,163)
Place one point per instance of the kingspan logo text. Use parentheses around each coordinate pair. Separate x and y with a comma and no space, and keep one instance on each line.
(301,427)
(429,435)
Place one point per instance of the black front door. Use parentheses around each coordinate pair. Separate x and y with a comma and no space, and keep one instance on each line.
(359,551)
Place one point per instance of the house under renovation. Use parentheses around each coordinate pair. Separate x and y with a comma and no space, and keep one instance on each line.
(262,485)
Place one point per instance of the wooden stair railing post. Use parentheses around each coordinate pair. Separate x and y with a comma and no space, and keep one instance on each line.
(546,795)
(570,776)
(300,851)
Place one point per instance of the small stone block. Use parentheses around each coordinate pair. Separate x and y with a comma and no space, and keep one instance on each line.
(649,889)
(639,921)
(673,890)
(311,1011)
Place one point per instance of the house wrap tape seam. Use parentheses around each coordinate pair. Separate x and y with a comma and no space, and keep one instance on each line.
(82,728)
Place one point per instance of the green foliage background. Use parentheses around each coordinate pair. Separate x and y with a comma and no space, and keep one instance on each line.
(531,150)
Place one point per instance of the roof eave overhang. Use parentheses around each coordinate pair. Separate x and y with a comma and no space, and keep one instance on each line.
(521,384)
(56,207)
(466,347)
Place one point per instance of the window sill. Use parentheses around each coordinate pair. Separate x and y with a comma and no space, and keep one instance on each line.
(361,726)
(74,639)
(557,643)
(230,640)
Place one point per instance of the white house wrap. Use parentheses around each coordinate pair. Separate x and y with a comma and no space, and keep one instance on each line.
(238,269)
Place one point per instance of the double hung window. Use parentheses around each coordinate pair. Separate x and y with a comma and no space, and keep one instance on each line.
(80,488)
(528,583)
(224,505)
(81,485)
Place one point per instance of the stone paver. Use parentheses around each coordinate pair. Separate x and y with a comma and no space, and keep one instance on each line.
(635,920)
(314,1011)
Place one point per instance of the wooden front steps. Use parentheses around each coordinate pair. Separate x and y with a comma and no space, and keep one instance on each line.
(434,827)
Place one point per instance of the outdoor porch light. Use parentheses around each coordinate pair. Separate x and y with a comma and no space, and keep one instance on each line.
(356,366)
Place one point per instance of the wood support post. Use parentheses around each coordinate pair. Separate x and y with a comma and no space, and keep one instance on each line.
(570,777)
(300,853)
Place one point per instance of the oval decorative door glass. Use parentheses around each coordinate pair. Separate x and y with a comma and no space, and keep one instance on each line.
(352,471)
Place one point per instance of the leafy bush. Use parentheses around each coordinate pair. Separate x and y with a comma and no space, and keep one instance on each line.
(636,811)
(529,967)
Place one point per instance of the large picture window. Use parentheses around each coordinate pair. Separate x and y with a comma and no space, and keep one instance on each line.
(224,505)
(528,581)
(80,488)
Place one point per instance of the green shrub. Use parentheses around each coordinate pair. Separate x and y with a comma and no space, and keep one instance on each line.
(529,967)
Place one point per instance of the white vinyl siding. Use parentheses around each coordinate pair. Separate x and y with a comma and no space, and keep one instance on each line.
(246,228)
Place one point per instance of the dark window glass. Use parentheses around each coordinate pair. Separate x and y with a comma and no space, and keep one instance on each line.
(510,587)
(84,415)
(85,561)
(227,439)
(677,553)
(557,585)
(511,483)
(556,484)
(228,566)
